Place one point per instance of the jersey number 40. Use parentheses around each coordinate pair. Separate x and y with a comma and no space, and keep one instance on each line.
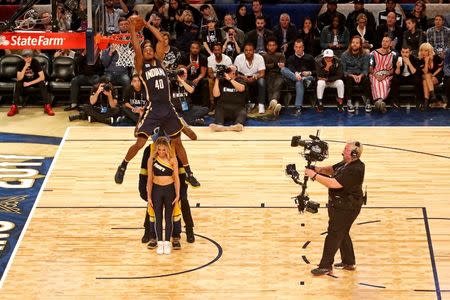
(159,84)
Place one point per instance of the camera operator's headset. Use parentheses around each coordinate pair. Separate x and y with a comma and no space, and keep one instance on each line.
(356,150)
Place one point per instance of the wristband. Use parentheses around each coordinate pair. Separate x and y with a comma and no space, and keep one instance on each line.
(314,177)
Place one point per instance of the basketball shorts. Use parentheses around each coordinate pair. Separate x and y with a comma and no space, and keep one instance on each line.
(168,121)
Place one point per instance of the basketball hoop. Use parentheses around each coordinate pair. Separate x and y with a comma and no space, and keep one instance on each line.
(124,50)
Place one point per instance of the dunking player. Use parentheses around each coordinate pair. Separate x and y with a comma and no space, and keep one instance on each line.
(159,111)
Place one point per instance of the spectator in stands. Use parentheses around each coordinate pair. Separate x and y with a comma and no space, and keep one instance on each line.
(310,36)
(46,22)
(231,95)
(300,68)
(79,17)
(174,15)
(390,7)
(182,90)
(243,22)
(239,35)
(86,75)
(406,73)
(431,65)
(196,65)
(30,73)
(286,33)
(186,31)
(413,37)
(259,36)
(367,35)
(216,59)
(335,37)
(252,70)
(62,17)
(258,12)
(419,13)
(161,8)
(102,105)
(155,20)
(231,47)
(168,55)
(112,15)
(134,100)
(352,18)
(65,52)
(381,69)
(355,65)
(438,36)
(393,30)
(210,35)
(326,18)
(117,74)
(329,74)
(274,80)
(207,14)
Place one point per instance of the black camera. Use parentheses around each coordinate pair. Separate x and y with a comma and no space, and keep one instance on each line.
(221,70)
(81,116)
(107,87)
(313,150)
(173,74)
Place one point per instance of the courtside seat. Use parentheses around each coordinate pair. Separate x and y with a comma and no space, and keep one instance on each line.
(8,73)
(63,70)
(44,61)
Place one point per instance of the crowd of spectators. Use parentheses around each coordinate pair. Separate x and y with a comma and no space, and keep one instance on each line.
(377,53)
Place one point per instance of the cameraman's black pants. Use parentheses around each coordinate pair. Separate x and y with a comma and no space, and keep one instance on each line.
(185,211)
(129,114)
(338,237)
(235,114)
(97,116)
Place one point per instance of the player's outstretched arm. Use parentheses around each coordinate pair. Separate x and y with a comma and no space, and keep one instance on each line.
(138,58)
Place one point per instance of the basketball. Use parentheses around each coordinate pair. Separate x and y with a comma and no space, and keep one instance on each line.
(138,22)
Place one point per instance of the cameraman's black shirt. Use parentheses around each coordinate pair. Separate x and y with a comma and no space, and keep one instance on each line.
(102,100)
(134,98)
(179,93)
(229,96)
(351,177)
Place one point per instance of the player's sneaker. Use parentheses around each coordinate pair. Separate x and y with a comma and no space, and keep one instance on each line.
(118,178)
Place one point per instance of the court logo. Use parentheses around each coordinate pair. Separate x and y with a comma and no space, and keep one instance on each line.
(21,179)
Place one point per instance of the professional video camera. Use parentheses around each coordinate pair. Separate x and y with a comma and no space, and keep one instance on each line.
(313,150)
(221,70)
(173,74)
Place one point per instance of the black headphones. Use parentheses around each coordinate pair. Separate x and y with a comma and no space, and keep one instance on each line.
(355,150)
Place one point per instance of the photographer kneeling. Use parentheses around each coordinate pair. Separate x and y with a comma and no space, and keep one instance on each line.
(344,182)
(102,105)
(231,95)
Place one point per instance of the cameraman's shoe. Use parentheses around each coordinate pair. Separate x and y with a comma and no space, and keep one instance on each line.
(345,266)
(120,173)
(321,271)
(71,107)
(191,180)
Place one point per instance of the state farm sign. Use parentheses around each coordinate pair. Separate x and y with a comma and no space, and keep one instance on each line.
(42,40)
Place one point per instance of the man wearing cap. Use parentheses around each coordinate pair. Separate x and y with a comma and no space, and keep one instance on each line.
(211,35)
(326,18)
(30,73)
(359,9)
(329,74)
(390,7)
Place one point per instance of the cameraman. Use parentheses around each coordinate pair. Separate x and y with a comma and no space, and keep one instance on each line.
(345,198)
(230,92)
(181,89)
(102,105)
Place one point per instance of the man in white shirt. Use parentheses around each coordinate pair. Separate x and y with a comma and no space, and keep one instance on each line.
(252,69)
(217,58)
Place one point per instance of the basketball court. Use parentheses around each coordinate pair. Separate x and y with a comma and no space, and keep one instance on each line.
(251,242)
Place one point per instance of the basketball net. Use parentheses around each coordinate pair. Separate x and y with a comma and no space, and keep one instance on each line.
(125,50)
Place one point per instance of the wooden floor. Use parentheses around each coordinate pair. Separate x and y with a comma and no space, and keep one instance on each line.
(84,238)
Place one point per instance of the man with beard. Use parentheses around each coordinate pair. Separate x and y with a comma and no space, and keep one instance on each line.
(355,65)
(259,36)
(196,65)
